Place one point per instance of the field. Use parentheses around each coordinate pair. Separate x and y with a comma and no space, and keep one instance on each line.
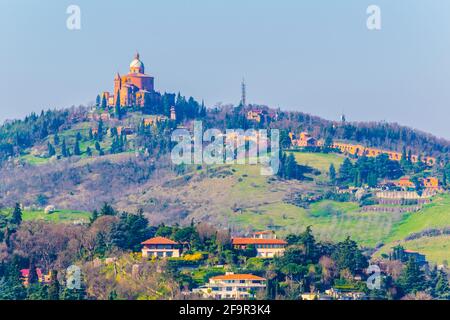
(319,161)
(433,216)
(60,216)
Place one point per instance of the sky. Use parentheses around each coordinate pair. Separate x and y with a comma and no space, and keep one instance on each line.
(315,56)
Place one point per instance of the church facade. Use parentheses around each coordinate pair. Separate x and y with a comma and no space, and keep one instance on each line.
(133,89)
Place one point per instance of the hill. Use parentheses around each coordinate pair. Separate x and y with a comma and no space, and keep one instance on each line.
(134,172)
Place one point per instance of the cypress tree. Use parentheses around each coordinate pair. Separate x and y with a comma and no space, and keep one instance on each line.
(16,215)
(54,287)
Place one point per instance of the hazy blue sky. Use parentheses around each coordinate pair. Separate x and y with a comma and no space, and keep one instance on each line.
(315,56)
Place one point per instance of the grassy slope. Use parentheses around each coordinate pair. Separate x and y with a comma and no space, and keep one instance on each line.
(319,160)
(259,206)
(61,216)
(433,216)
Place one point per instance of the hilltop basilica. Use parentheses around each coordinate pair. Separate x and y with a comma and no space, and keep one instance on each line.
(133,89)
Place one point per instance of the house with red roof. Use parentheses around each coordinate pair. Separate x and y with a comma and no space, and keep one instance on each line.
(160,247)
(232,286)
(265,247)
(42,278)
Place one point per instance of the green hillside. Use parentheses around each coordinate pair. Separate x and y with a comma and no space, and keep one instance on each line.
(59,216)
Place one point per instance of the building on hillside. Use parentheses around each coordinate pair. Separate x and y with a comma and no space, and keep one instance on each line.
(266,248)
(160,247)
(401,254)
(267,234)
(259,115)
(173,114)
(305,140)
(339,294)
(255,115)
(124,130)
(360,150)
(418,257)
(404,182)
(42,278)
(154,119)
(431,183)
(232,286)
(134,88)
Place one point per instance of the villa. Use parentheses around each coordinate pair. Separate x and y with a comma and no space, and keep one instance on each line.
(266,248)
(160,247)
(232,286)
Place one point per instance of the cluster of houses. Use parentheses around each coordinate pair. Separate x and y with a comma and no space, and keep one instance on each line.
(306,140)
(265,243)
(238,286)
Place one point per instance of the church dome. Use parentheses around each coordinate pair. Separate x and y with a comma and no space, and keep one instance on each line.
(136,66)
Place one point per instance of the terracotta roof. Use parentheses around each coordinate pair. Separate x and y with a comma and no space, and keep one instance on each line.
(25,272)
(159,240)
(237,277)
(257,241)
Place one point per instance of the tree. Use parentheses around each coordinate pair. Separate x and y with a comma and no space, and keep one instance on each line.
(54,287)
(332,173)
(346,173)
(76,148)
(442,289)
(56,139)
(51,149)
(412,279)
(104,103)
(88,151)
(16,217)
(130,231)
(11,285)
(97,101)
(107,210)
(347,255)
(64,151)
(117,106)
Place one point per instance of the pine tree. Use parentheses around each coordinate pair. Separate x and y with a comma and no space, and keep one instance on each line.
(76,148)
(51,149)
(64,151)
(332,173)
(412,279)
(56,139)
(346,174)
(16,218)
(88,151)
(100,130)
(118,101)
(104,103)
(91,136)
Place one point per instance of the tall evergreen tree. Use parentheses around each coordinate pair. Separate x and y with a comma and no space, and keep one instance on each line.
(76,148)
(332,173)
(16,217)
(64,151)
(104,103)
(54,287)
